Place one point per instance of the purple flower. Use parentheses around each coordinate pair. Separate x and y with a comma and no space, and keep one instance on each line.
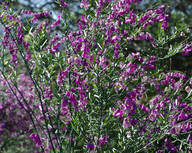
(131,18)
(36,139)
(85,4)
(102,141)
(126,123)
(119,113)
(77,81)
(153,115)
(182,116)
(90,147)
(63,3)
(68,94)
(164,25)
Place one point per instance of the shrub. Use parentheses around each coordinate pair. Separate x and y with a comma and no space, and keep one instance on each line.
(104,88)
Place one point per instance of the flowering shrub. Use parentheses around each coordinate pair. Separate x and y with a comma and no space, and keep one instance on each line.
(87,91)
